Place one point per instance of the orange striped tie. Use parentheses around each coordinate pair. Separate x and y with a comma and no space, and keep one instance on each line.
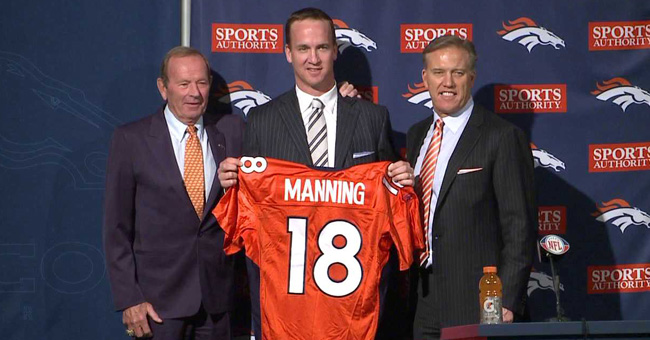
(426,181)
(193,171)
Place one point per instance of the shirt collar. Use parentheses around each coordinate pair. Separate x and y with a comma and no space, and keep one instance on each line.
(177,128)
(328,98)
(458,119)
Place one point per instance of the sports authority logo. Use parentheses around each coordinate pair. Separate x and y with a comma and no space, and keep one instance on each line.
(624,278)
(527,33)
(541,281)
(418,94)
(544,159)
(415,37)
(247,38)
(242,95)
(619,213)
(530,98)
(621,92)
(619,157)
(551,220)
(346,37)
(619,35)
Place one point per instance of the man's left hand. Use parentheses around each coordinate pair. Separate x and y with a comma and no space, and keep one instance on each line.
(508,317)
(402,173)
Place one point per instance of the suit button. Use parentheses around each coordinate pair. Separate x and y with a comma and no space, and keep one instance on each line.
(435,237)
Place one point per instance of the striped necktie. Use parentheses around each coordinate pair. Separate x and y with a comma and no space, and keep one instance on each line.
(317,134)
(426,182)
(193,175)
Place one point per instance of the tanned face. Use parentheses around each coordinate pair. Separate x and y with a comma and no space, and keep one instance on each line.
(449,79)
(312,54)
(187,87)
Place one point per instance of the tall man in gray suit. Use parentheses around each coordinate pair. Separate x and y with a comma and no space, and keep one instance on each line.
(354,131)
(164,249)
(474,172)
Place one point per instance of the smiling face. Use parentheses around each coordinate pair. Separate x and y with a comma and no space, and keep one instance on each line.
(448,77)
(312,54)
(187,88)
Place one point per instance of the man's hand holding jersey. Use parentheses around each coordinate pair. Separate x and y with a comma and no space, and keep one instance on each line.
(401,173)
(227,172)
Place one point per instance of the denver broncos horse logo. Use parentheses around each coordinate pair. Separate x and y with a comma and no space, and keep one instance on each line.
(539,280)
(346,37)
(242,95)
(418,95)
(46,99)
(529,34)
(546,160)
(622,93)
(619,213)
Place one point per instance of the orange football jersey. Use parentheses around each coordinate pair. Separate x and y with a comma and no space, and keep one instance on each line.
(320,239)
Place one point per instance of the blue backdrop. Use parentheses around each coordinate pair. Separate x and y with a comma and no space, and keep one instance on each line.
(573,74)
(72,71)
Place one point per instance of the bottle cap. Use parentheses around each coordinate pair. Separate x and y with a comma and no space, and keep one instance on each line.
(489,269)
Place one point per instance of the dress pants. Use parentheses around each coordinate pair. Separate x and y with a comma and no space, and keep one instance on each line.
(426,325)
(200,326)
(253,272)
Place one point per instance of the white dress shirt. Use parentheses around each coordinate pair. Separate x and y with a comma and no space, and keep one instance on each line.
(179,136)
(329,99)
(451,132)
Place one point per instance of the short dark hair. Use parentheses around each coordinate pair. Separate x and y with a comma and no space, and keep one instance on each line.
(180,51)
(304,14)
(451,41)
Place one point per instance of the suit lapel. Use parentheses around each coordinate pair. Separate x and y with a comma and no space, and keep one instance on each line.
(465,145)
(290,114)
(346,121)
(218,146)
(159,142)
(419,134)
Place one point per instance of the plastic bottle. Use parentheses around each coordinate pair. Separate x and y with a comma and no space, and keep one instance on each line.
(490,296)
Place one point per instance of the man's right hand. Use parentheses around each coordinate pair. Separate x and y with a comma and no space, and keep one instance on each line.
(135,318)
(348,90)
(227,172)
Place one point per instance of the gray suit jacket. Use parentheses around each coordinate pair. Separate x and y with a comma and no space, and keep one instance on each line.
(482,218)
(276,130)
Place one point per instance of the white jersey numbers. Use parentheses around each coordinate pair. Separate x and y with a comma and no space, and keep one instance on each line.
(298,229)
(253,164)
(331,254)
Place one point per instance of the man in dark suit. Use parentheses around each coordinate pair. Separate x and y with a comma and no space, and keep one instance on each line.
(479,195)
(356,131)
(164,248)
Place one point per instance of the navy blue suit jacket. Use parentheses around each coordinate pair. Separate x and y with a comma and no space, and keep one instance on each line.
(157,248)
